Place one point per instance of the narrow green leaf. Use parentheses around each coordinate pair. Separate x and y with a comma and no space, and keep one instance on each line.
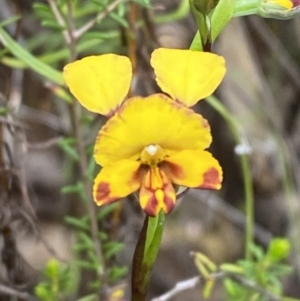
(153,247)
(9,21)
(104,211)
(35,64)
(41,6)
(52,24)
(116,273)
(92,297)
(52,57)
(152,226)
(67,146)
(86,239)
(86,265)
(75,188)
(119,19)
(221,16)
(112,248)
(81,223)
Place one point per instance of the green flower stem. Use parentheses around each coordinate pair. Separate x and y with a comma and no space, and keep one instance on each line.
(248,185)
(145,255)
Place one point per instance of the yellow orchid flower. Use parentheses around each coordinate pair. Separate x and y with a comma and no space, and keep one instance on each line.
(150,144)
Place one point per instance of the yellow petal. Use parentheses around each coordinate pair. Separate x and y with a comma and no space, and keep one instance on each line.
(186,75)
(156,193)
(100,83)
(152,120)
(117,181)
(287,4)
(193,168)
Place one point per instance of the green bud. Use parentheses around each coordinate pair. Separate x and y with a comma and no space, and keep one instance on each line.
(205,6)
(52,268)
(279,249)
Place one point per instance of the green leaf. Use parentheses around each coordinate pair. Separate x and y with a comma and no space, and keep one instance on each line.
(67,145)
(100,3)
(86,239)
(86,265)
(80,223)
(75,188)
(221,16)
(10,20)
(119,19)
(112,248)
(153,238)
(102,35)
(53,24)
(35,64)
(231,268)
(103,236)
(92,297)
(41,6)
(117,273)
(257,252)
(146,3)
(106,210)
(52,57)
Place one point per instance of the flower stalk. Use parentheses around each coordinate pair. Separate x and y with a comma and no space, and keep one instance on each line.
(145,255)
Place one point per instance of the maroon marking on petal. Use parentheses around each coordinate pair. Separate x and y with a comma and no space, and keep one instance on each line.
(172,170)
(296,3)
(211,179)
(103,192)
(169,203)
(151,207)
(139,174)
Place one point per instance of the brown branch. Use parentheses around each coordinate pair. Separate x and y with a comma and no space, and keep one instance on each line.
(45,144)
(60,20)
(71,38)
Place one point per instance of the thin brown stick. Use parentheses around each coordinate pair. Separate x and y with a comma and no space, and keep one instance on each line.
(79,32)
(83,164)
(60,20)
(192,282)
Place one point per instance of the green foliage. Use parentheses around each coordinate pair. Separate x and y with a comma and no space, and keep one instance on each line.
(84,245)
(57,282)
(263,271)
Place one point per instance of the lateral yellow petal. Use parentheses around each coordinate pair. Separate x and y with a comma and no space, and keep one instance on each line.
(193,168)
(100,83)
(157,193)
(117,181)
(186,75)
(152,120)
(287,4)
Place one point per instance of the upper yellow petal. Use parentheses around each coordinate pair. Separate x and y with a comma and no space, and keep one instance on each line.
(186,75)
(193,168)
(100,83)
(117,181)
(152,120)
